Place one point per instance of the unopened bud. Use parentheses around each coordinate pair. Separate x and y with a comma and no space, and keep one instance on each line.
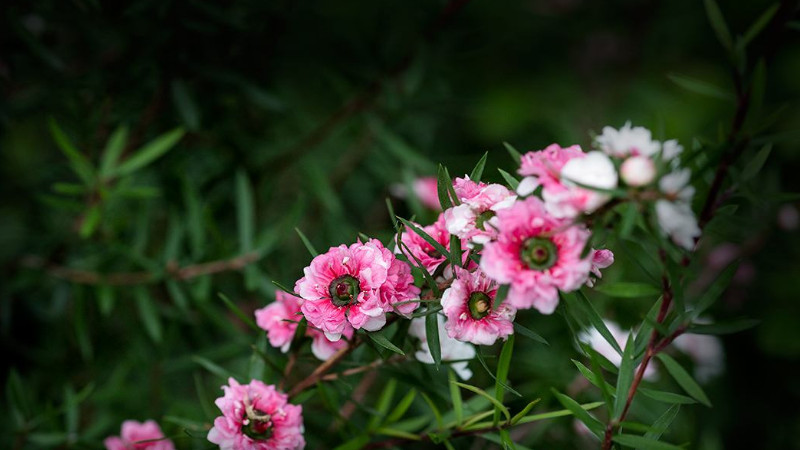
(638,171)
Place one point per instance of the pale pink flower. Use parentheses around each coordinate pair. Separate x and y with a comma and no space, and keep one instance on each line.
(472,315)
(280,319)
(638,171)
(559,171)
(424,188)
(670,150)
(677,220)
(353,287)
(537,254)
(705,351)
(601,259)
(627,141)
(594,339)
(422,249)
(139,436)
(473,220)
(451,349)
(256,416)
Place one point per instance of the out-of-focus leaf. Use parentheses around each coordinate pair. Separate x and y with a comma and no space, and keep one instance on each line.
(515,154)
(700,87)
(149,152)
(354,444)
(643,443)
(718,24)
(401,408)
(729,327)
(483,393)
(186,106)
(212,367)
(518,416)
(239,313)
(625,376)
(434,409)
(113,150)
(195,220)
(383,404)
(77,161)
(578,302)
(759,24)
(714,291)
(105,299)
(307,243)
(245,212)
(513,183)
(684,379)
(148,313)
(90,221)
(503,365)
(662,423)
(754,166)
(624,289)
(455,397)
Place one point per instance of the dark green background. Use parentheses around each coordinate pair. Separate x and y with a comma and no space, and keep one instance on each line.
(323,105)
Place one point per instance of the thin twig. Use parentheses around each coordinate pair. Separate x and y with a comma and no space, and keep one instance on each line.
(81,276)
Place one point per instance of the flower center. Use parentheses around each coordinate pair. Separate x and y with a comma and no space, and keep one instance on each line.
(344,290)
(480,305)
(256,424)
(539,253)
(482,218)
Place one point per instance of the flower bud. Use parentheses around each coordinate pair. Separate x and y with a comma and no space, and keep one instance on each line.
(638,171)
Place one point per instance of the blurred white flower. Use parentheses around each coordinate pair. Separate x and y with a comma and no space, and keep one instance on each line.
(452,350)
(705,351)
(594,339)
(676,184)
(677,220)
(670,149)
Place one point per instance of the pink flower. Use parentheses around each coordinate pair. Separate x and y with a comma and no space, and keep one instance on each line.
(139,436)
(422,249)
(352,287)
(601,259)
(279,319)
(559,171)
(537,254)
(425,188)
(473,219)
(255,416)
(638,171)
(471,313)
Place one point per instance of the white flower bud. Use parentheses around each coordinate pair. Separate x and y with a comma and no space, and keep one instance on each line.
(638,171)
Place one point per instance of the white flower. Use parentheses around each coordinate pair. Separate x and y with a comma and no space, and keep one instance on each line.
(452,350)
(670,149)
(706,352)
(638,171)
(627,141)
(594,170)
(676,184)
(594,339)
(677,220)
(527,186)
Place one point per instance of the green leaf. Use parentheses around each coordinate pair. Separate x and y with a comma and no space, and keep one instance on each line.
(759,24)
(593,377)
(384,342)
(755,165)
(436,413)
(718,24)
(397,433)
(148,314)
(186,106)
(684,379)
(432,336)
(700,87)
(624,289)
(643,443)
(354,444)
(518,416)
(238,312)
(77,161)
(112,152)
(515,154)
(662,423)
(149,152)
(105,299)
(455,251)
(245,212)
(528,333)
(455,397)
(477,171)
(733,326)
(482,361)
(211,367)
(559,413)
(195,219)
(625,377)
(503,365)
(483,393)
(444,186)
(401,407)
(90,221)
(513,183)
(581,414)
(384,401)
(434,243)
(666,397)
(714,291)
(307,243)
(280,286)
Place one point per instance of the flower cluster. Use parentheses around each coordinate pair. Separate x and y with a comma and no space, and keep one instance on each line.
(256,416)
(139,436)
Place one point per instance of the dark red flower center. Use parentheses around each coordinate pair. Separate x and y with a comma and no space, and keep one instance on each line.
(344,290)
(256,424)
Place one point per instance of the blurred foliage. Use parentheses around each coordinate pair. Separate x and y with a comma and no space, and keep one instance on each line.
(303,114)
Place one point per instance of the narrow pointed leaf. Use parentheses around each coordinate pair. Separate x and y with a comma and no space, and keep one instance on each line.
(625,377)
(581,414)
(384,342)
(432,336)
(149,152)
(477,171)
(684,379)
(113,150)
